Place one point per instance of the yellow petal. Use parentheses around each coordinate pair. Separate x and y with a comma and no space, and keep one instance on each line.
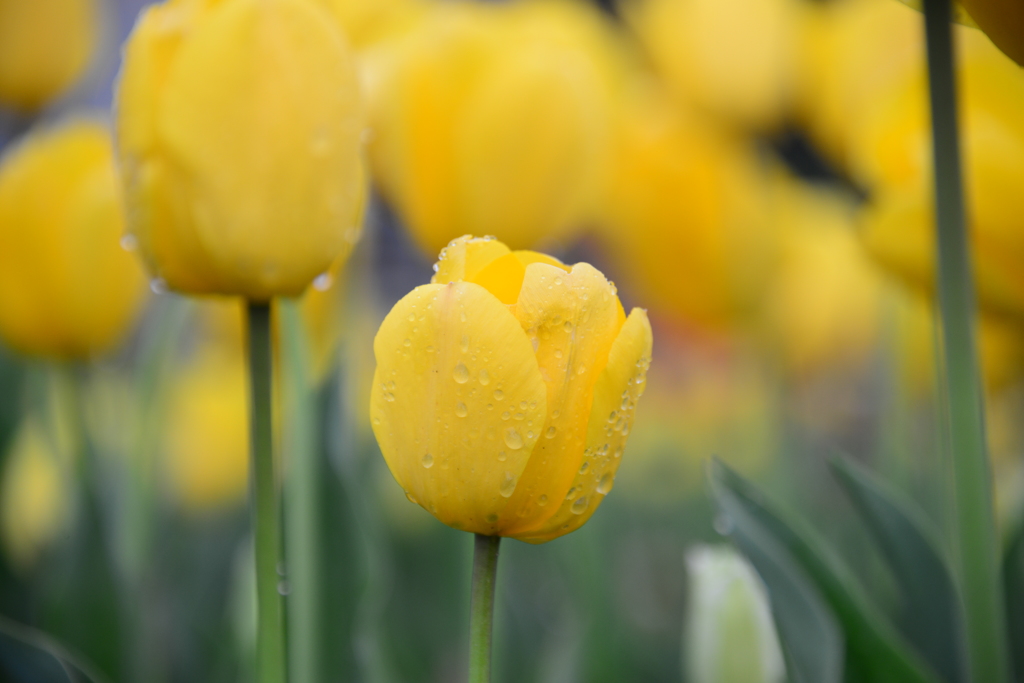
(503,277)
(572,320)
(260,121)
(458,402)
(466,256)
(611,417)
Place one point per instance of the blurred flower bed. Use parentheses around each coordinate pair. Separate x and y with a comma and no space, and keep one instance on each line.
(754,173)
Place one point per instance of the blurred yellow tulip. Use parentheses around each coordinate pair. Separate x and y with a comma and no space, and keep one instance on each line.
(494,118)
(505,390)
(895,161)
(366,22)
(823,309)
(67,288)
(686,216)
(733,58)
(238,128)
(34,497)
(207,437)
(46,46)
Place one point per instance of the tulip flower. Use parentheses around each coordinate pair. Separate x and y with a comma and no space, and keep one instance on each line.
(238,129)
(502,399)
(730,636)
(685,215)
(505,389)
(367,22)
(33,494)
(46,46)
(1003,22)
(493,118)
(733,58)
(67,288)
(894,161)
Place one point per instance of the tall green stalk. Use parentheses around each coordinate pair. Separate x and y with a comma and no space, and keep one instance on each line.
(975,533)
(481,619)
(266,520)
(302,502)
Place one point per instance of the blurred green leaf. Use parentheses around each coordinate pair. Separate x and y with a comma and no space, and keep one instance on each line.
(1013,581)
(931,617)
(875,651)
(29,656)
(811,640)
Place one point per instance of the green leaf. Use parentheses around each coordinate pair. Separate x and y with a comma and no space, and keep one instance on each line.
(932,620)
(811,640)
(875,651)
(1013,583)
(29,656)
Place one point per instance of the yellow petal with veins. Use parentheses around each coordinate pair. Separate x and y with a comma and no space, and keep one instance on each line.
(458,402)
(611,417)
(572,319)
(466,256)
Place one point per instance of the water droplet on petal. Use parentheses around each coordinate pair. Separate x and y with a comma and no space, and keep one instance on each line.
(427,460)
(572,493)
(464,343)
(506,415)
(498,394)
(484,378)
(513,439)
(604,486)
(579,507)
(412,498)
(461,410)
(284,588)
(567,326)
(502,456)
(461,373)
(323,282)
(508,484)
(543,500)
(129,242)
(550,433)
(584,467)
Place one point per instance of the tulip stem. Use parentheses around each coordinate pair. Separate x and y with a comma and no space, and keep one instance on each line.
(265,505)
(481,619)
(975,534)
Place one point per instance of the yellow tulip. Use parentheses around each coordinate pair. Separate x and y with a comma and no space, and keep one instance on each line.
(823,309)
(686,216)
(67,288)
(45,48)
(207,437)
(895,161)
(493,118)
(366,22)
(734,58)
(505,389)
(1003,22)
(238,128)
(33,495)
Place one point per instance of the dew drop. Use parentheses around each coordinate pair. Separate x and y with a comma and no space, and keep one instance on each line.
(558,280)
(284,588)
(572,493)
(461,410)
(543,500)
(461,373)
(412,317)
(604,486)
(464,343)
(323,282)
(407,343)
(513,439)
(579,506)
(567,326)
(508,484)
(484,378)
(558,353)
(427,460)
(158,285)
(498,394)
(550,432)
(584,467)
(412,498)
(506,415)
(618,452)
(612,416)
(129,242)
(502,456)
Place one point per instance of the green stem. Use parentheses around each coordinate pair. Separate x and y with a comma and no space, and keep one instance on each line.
(975,525)
(302,500)
(481,619)
(270,652)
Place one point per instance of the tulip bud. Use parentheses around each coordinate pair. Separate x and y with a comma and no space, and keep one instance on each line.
(729,634)
(67,288)
(33,495)
(238,128)
(505,390)
(493,118)
(45,48)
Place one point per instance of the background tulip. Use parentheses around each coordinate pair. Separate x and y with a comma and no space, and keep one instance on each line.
(238,128)
(493,118)
(67,288)
(729,633)
(46,46)
(505,389)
